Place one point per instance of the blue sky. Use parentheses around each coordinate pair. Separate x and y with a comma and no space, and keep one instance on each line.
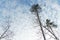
(23,20)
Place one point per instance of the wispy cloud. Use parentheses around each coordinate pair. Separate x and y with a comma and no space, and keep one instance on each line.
(23,19)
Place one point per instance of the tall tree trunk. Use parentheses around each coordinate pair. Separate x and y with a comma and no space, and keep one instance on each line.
(40,24)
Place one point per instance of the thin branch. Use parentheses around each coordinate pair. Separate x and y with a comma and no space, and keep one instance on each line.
(4,33)
(8,26)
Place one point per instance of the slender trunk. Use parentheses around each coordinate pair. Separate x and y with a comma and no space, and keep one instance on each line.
(51,29)
(51,33)
(40,24)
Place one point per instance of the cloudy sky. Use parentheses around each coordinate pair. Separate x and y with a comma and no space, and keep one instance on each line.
(23,20)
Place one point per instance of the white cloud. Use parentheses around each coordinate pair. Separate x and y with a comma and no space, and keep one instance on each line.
(22,24)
